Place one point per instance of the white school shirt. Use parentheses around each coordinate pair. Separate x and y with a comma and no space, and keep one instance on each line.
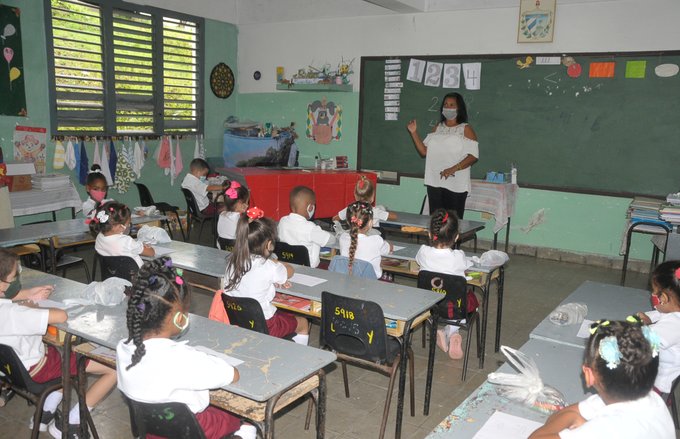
(89,204)
(258,283)
(442,260)
(646,417)
(379,214)
(171,371)
(295,229)
(198,188)
(370,248)
(667,326)
(226,225)
(22,329)
(447,146)
(119,245)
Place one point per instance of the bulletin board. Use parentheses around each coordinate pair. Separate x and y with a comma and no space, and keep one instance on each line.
(606,123)
(12,91)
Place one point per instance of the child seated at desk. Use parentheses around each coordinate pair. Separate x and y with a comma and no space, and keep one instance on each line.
(297,227)
(440,257)
(195,181)
(236,199)
(22,328)
(111,224)
(621,362)
(252,273)
(96,188)
(364,190)
(154,368)
(357,243)
(15,293)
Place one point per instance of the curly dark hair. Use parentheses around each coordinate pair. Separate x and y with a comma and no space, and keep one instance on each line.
(666,279)
(116,213)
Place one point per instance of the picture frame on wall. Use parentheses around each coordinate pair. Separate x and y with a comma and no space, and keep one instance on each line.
(536,21)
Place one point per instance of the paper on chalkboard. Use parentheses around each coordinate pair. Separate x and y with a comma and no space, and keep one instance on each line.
(548,60)
(391,116)
(416,69)
(433,75)
(389,67)
(391,109)
(472,73)
(393,73)
(392,103)
(451,75)
(393,61)
(392,90)
(393,79)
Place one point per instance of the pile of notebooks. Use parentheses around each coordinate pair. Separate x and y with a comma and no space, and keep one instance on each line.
(671,214)
(646,210)
(50,182)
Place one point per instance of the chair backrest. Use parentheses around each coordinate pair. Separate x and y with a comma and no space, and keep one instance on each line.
(353,327)
(294,254)
(454,289)
(123,267)
(166,419)
(672,247)
(14,371)
(360,268)
(245,312)
(145,197)
(192,206)
(226,244)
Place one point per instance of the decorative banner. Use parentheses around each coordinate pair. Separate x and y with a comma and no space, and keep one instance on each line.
(12,87)
(324,121)
(30,146)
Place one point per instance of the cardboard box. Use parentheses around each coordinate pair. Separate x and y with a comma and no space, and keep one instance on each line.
(19,176)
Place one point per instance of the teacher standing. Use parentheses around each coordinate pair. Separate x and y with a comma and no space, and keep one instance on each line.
(449,150)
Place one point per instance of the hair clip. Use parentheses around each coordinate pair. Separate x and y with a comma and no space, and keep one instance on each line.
(255,213)
(179,272)
(179,280)
(168,263)
(596,325)
(152,279)
(101,217)
(435,237)
(95,171)
(633,319)
(357,221)
(653,339)
(141,307)
(362,182)
(609,351)
(677,273)
(446,217)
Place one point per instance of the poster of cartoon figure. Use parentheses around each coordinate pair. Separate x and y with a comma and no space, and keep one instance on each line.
(324,121)
(12,91)
(30,146)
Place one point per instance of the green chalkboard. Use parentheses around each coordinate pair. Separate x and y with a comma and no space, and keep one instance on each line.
(610,135)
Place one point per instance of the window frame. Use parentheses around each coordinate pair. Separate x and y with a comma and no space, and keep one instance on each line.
(106,8)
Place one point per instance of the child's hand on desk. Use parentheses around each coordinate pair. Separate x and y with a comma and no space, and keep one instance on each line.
(285,285)
(644,318)
(38,293)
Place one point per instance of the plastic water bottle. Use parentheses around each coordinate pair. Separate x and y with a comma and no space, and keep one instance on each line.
(513,175)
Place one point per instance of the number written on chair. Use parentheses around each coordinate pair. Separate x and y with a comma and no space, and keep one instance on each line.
(349,315)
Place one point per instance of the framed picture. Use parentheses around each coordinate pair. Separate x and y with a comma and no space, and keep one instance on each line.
(536,21)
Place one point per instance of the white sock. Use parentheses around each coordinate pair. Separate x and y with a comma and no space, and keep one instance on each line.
(74,414)
(301,339)
(246,431)
(52,401)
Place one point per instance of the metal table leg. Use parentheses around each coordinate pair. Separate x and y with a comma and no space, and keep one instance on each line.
(402,376)
(430,361)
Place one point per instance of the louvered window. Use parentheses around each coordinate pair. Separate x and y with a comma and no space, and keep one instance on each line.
(118,68)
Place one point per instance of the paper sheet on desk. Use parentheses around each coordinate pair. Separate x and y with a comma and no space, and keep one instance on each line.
(47,303)
(226,358)
(506,426)
(396,248)
(161,251)
(584,330)
(303,279)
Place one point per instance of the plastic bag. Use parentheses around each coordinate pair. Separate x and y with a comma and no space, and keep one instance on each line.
(153,235)
(146,211)
(491,258)
(569,314)
(110,292)
(527,386)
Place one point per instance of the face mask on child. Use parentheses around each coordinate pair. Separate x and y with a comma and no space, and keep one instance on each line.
(97,196)
(182,327)
(310,210)
(203,178)
(13,289)
(655,301)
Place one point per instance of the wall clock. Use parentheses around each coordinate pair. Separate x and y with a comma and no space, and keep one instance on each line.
(222,81)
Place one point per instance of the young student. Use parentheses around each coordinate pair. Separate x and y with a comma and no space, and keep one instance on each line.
(236,199)
(96,188)
(665,321)
(111,224)
(621,363)
(357,243)
(15,293)
(440,257)
(22,328)
(297,227)
(365,191)
(154,368)
(195,181)
(252,273)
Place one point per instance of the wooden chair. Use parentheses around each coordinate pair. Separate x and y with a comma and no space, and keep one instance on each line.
(195,214)
(355,330)
(293,254)
(146,199)
(166,419)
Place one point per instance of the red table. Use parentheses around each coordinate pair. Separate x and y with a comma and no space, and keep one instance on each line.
(269,188)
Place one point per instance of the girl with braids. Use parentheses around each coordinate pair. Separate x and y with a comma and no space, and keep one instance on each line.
(665,320)
(111,224)
(358,243)
(621,363)
(365,191)
(440,257)
(96,188)
(252,273)
(154,368)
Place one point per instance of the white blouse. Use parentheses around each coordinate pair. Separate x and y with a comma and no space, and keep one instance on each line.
(447,146)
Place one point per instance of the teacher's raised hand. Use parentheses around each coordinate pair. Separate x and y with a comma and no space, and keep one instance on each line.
(412,126)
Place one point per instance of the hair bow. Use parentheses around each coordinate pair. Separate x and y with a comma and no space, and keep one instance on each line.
(609,351)
(357,221)
(91,217)
(255,213)
(596,325)
(362,182)
(101,217)
(231,192)
(446,217)
(677,273)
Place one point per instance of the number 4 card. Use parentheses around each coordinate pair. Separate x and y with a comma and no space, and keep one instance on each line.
(473,75)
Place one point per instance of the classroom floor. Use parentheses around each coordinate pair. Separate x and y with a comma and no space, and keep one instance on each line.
(533,287)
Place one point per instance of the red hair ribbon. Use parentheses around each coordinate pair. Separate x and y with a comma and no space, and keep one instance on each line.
(231,192)
(446,217)
(362,182)
(357,221)
(255,213)
(677,273)
(434,238)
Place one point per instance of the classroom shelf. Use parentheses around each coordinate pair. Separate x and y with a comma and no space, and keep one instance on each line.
(315,87)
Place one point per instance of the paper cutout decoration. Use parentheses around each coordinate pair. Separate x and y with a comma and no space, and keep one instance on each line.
(473,75)
(602,69)
(434,74)
(451,76)
(526,63)
(416,69)
(666,70)
(574,70)
(548,61)
(12,80)
(30,145)
(8,31)
(636,69)
(324,121)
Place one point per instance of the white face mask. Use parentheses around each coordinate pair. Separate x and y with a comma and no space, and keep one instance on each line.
(450,113)
(310,210)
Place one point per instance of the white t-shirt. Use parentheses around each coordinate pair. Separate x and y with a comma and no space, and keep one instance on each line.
(667,326)
(226,225)
(442,260)
(379,214)
(89,204)
(370,248)
(446,147)
(171,371)
(119,245)
(294,229)
(198,188)
(258,283)
(647,417)
(22,329)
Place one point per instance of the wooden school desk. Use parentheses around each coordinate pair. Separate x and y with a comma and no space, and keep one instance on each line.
(204,266)
(604,302)
(559,366)
(467,228)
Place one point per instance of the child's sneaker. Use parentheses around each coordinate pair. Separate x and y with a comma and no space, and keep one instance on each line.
(6,394)
(456,346)
(45,420)
(72,433)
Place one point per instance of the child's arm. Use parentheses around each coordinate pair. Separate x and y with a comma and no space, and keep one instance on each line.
(57,316)
(148,251)
(289,269)
(36,293)
(391,216)
(567,418)
(214,188)
(236,375)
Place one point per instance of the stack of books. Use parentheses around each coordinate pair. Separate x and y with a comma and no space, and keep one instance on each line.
(647,210)
(671,214)
(50,182)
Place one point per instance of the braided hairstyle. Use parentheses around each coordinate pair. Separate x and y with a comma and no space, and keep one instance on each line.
(109,214)
(252,238)
(634,376)
(359,214)
(157,288)
(666,278)
(443,228)
(364,190)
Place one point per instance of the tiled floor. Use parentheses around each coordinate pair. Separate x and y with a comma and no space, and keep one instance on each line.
(532,288)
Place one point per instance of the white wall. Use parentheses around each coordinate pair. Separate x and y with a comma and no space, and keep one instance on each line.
(626,25)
